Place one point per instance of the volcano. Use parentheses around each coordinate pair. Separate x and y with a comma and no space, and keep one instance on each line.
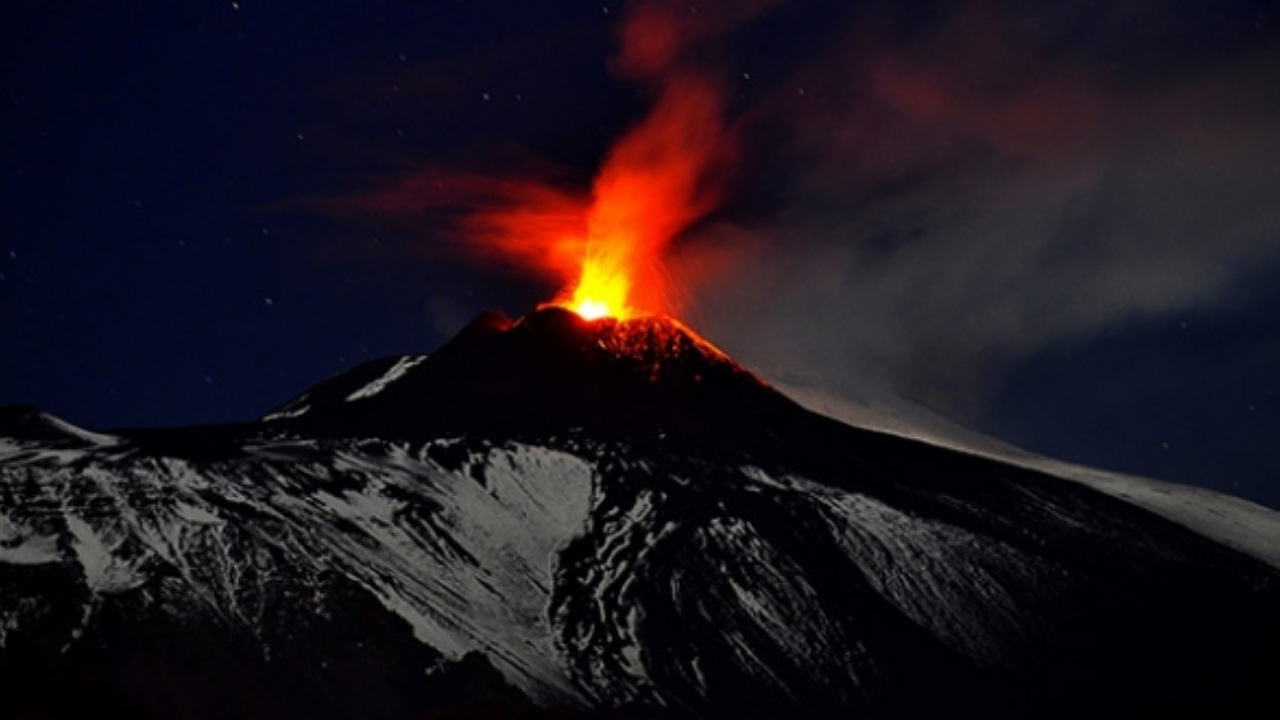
(556,517)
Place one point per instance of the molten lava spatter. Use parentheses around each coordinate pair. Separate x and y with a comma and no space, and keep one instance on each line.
(602,290)
(660,342)
(652,187)
(594,309)
(665,174)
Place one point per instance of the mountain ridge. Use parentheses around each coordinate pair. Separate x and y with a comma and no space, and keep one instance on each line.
(656,533)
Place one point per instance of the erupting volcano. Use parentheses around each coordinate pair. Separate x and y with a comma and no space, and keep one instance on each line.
(605,516)
(656,181)
(605,248)
(653,185)
(604,283)
(590,511)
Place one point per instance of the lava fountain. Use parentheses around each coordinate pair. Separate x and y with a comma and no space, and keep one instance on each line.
(655,182)
(660,177)
(663,175)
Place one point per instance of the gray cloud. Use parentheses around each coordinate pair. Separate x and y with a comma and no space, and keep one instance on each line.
(962,200)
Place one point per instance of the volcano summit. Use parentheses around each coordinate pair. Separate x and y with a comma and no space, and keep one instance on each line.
(559,517)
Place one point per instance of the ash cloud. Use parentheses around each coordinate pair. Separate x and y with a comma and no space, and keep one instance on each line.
(905,199)
(944,202)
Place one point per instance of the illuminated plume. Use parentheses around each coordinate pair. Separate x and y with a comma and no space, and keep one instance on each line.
(652,186)
(657,180)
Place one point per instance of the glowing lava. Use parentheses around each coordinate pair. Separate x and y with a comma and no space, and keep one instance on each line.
(593,309)
(603,287)
(660,178)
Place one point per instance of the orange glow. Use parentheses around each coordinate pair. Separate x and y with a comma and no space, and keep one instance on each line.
(603,286)
(593,310)
(653,185)
(606,249)
(601,292)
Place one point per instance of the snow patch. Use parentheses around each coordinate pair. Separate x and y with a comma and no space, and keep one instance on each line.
(1239,524)
(397,371)
(196,515)
(92,438)
(19,545)
(958,585)
(297,408)
(467,564)
(104,572)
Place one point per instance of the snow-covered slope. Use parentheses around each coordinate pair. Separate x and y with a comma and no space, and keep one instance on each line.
(597,517)
(459,543)
(1237,523)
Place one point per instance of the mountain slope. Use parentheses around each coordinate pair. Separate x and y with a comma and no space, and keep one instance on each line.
(597,517)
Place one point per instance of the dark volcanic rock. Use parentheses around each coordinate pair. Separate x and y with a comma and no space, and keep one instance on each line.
(560,518)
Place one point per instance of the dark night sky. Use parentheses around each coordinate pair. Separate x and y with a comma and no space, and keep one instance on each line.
(1057,223)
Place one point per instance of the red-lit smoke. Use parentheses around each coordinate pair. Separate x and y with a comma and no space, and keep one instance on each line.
(661,176)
